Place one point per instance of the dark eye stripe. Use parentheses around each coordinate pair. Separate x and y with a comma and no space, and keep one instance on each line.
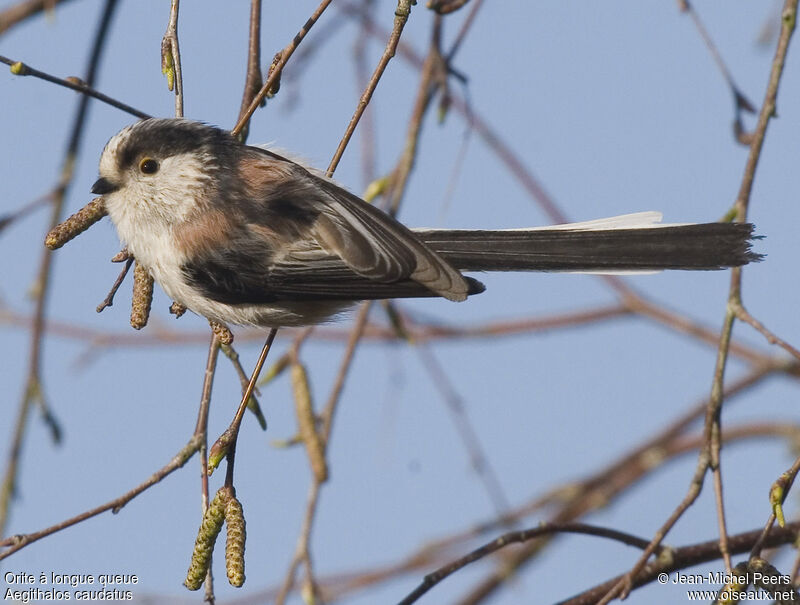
(163,138)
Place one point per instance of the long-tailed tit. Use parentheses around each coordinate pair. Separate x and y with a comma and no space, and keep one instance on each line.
(241,235)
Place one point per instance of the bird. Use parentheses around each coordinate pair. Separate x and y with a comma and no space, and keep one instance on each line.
(243,235)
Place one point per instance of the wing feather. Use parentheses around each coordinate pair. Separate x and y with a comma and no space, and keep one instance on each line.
(369,242)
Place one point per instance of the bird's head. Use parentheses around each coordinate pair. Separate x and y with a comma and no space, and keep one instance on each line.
(161,170)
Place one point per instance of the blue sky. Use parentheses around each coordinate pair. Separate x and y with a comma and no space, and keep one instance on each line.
(615,108)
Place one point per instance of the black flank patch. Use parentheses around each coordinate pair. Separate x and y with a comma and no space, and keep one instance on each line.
(220,281)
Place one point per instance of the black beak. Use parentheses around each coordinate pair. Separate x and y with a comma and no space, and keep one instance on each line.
(102,186)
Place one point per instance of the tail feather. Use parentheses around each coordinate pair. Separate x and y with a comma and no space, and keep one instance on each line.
(706,246)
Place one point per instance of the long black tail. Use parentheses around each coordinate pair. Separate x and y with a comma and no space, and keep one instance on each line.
(695,247)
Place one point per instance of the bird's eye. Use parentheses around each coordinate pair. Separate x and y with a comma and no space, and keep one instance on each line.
(148,166)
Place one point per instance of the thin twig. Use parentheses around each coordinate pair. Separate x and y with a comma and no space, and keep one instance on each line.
(479,461)
(231,434)
(201,435)
(465,27)
(22,69)
(18,542)
(688,556)
(244,380)
(302,551)
(503,151)
(171,57)
(495,142)
(768,108)
(16,14)
(331,405)
(745,316)
(23,211)
(709,458)
(517,537)
(428,331)
(740,101)
(686,325)
(401,15)
(33,389)
(278,67)
(109,299)
(608,484)
(433,77)
(441,552)
(367,137)
(253,81)
(778,493)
